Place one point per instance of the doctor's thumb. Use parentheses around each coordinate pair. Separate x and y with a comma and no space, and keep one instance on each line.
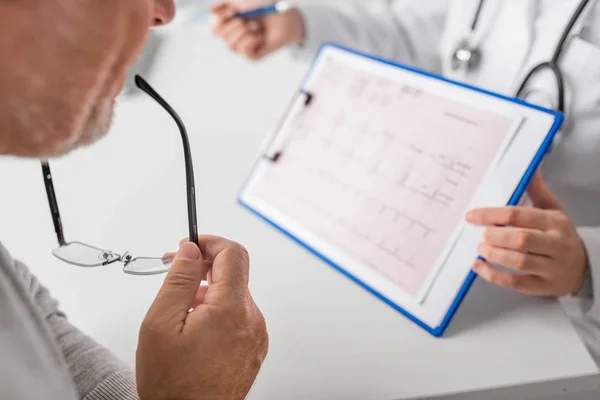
(540,195)
(177,294)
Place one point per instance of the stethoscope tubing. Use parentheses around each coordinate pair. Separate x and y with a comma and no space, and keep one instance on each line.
(551,65)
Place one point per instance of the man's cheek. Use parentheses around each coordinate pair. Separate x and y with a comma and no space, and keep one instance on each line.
(136,32)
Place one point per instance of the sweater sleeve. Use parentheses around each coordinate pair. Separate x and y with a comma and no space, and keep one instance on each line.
(97,374)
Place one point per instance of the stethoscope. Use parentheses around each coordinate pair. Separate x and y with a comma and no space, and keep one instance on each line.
(468,56)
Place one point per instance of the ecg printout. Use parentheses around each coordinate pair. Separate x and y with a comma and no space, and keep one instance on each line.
(383,171)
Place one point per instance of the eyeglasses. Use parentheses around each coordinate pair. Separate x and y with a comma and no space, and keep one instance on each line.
(85,255)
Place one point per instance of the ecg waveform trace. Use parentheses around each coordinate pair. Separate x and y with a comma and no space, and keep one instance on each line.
(382,170)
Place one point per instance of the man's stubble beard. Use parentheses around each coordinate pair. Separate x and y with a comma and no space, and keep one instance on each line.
(93,129)
(98,124)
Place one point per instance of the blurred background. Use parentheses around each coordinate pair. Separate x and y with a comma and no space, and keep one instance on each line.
(191,14)
(188,12)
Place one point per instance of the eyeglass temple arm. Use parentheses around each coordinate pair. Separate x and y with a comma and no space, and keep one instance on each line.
(189,168)
(53,203)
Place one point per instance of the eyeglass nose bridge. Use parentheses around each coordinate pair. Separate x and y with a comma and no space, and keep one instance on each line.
(126,258)
(108,257)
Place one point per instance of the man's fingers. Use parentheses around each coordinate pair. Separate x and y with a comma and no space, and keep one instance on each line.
(514,260)
(180,287)
(226,261)
(523,240)
(230,261)
(210,245)
(200,296)
(527,284)
(540,196)
(171,256)
(522,217)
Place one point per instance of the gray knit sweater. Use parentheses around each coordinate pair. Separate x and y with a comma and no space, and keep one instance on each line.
(43,356)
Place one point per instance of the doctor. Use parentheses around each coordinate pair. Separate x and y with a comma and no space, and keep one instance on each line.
(554,248)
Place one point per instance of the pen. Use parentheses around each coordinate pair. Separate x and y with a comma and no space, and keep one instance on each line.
(278,7)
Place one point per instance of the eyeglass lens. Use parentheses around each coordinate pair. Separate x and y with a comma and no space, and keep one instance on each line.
(84,255)
(147,266)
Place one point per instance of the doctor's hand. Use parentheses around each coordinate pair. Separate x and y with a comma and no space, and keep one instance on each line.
(214,351)
(539,246)
(258,37)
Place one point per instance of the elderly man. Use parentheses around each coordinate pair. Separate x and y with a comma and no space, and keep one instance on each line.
(63,63)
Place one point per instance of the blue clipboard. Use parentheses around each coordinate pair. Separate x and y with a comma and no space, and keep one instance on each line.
(437,331)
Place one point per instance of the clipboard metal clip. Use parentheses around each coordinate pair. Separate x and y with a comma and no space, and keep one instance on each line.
(276,140)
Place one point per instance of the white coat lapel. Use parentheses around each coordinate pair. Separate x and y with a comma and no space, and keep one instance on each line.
(548,28)
(504,35)
(508,43)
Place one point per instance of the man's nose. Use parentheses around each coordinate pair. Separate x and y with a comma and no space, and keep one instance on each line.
(163,13)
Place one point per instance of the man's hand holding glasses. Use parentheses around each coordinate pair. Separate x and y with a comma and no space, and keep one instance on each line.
(202,342)
(197,341)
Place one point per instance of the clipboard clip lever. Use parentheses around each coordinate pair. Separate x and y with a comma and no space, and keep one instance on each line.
(276,140)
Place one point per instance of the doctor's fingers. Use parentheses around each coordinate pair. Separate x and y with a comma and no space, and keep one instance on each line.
(524,240)
(527,284)
(517,261)
(222,7)
(522,217)
(232,30)
(239,31)
(221,15)
(250,45)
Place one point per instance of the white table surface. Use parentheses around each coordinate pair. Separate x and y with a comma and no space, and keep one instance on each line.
(330,339)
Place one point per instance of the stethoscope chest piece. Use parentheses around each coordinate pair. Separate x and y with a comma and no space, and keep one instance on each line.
(466,57)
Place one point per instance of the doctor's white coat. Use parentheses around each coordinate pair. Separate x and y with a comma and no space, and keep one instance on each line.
(515,35)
